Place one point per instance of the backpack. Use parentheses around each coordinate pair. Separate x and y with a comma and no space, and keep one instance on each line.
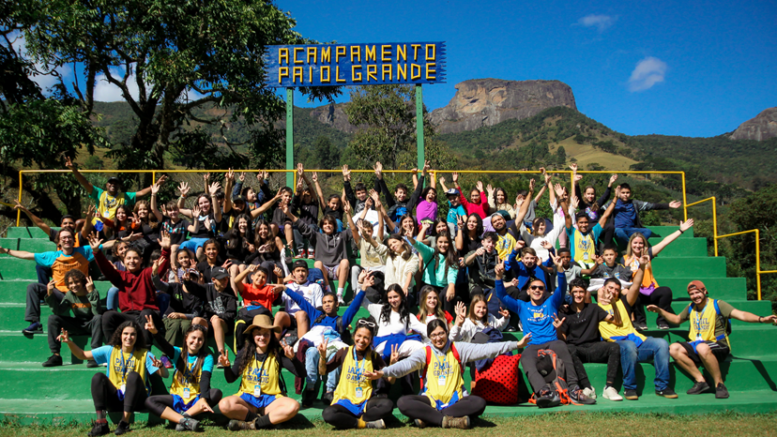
(499,382)
(429,360)
(553,371)
(493,302)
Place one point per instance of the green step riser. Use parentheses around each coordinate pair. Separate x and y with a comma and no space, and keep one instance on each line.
(740,375)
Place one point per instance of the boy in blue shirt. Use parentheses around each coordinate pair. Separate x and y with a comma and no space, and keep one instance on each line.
(539,317)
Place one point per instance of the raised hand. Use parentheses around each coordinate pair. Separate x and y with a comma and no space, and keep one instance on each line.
(346,207)
(427,166)
(575,202)
(277,272)
(287,350)
(195,211)
(504,313)
(441,180)
(164,241)
(613,178)
(524,341)
(150,326)
(89,212)
(183,188)
(546,245)
(394,354)
(205,177)
(315,177)
(69,163)
(94,242)
(51,286)
(532,184)
(479,186)
(346,173)
(559,190)
(155,267)
(557,322)
(300,170)
(63,337)
(644,262)
(455,177)
(573,167)
(490,190)
(368,281)
(460,221)
(577,178)
(322,347)
(229,175)
(155,188)
(214,188)
(520,244)
(499,270)
(135,220)
(224,360)
(548,177)
(686,225)
(557,262)
(227,264)
(675,204)
(375,196)
(89,284)
(241,178)
(461,313)
(378,167)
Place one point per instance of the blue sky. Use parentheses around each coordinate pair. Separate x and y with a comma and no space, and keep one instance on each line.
(674,68)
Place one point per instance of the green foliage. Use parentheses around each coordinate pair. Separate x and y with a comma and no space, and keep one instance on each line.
(327,153)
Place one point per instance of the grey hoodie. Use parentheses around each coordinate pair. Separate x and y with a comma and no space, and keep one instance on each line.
(330,249)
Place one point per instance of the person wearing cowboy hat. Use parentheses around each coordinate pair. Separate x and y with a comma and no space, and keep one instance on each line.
(261,400)
(708,343)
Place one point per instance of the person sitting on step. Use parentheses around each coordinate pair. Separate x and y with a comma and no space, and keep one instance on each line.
(708,343)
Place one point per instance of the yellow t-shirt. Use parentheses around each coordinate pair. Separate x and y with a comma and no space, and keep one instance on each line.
(261,377)
(444,384)
(609,330)
(504,247)
(354,386)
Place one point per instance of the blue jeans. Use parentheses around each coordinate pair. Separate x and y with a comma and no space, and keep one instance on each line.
(622,235)
(311,367)
(112,299)
(656,349)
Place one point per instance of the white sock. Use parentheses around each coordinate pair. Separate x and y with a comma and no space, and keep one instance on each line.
(340,292)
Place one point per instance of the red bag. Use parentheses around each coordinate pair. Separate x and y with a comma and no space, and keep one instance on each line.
(498,384)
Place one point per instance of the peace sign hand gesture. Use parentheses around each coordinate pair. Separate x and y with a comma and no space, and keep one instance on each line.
(461,313)
(394,354)
(150,325)
(322,347)
(63,337)
(224,360)
(287,350)
(557,322)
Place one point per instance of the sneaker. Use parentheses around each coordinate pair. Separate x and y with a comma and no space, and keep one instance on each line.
(578,398)
(667,393)
(419,423)
(630,395)
(34,328)
(91,364)
(240,425)
(311,253)
(300,254)
(547,398)
(663,325)
(510,328)
(642,326)
(122,428)
(589,392)
(375,424)
(455,422)
(308,397)
(721,392)
(328,398)
(698,388)
(340,300)
(166,361)
(520,325)
(99,428)
(53,361)
(188,424)
(610,393)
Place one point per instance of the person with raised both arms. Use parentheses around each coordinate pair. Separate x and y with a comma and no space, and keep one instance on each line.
(442,402)
(538,316)
(708,343)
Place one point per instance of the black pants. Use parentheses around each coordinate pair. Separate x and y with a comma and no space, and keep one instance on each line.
(661,297)
(112,319)
(74,326)
(419,407)
(596,352)
(529,363)
(157,404)
(608,233)
(35,293)
(243,320)
(340,417)
(105,394)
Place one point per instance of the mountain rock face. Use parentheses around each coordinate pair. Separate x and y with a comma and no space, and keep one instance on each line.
(760,128)
(486,102)
(334,116)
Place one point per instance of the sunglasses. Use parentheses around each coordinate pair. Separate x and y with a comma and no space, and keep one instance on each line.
(537,287)
(367,323)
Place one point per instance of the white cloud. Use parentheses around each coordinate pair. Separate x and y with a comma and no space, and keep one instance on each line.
(105,91)
(600,22)
(44,81)
(647,73)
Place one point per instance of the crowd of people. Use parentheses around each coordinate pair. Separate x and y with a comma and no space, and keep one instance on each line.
(232,264)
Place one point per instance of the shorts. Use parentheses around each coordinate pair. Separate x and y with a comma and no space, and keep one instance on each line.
(331,271)
(260,403)
(180,407)
(719,350)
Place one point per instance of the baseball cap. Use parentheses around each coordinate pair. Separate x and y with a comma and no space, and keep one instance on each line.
(502,213)
(219,273)
(299,264)
(697,285)
(114,180)
(452,192)
(237,199)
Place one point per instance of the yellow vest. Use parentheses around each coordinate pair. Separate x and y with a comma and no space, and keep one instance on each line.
(121,364)
(263,375)
(505,245)
(585,247)
(609,330)
(189,378)
(353,386)
(444,385)
(107,206)
(703,323)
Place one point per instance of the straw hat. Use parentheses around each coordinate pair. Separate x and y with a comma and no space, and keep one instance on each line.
(262,321)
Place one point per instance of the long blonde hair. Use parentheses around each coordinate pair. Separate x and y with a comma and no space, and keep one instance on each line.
(634,236)
(478,298)
(422,312)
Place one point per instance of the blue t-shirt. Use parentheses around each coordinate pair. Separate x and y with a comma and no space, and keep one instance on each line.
(103,354)
(523,273)
(536,319)
(47,259)
(207,363)
(625,214)
(453,213)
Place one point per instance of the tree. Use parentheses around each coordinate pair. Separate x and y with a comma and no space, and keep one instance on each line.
(327,153)
(176,58)
(386,116)
(562,154)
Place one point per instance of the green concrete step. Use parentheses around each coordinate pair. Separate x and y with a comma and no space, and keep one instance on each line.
(699,266)
(63,412)
(719,288)
(15,291)
(762,308)
(33,232)
(685,247)
(659,232)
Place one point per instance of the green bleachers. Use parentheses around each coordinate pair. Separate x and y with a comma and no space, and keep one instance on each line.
(34,394)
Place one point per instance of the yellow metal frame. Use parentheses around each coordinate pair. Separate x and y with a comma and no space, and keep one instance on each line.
(716,237)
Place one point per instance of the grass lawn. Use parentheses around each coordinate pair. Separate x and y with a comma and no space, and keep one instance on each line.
(561,424)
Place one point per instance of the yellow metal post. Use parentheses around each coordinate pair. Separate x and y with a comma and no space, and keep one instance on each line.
(685,210)
(758,261)
(19,211)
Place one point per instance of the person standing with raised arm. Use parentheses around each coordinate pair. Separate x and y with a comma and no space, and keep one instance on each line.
(626,214)
(708,343)
(402,202)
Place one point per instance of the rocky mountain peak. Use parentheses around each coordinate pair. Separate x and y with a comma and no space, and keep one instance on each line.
(760,128)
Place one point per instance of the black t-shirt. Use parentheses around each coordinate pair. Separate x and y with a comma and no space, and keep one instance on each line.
(470,244)
(583,327)
(207,270)
(202,231)
(279,218)
(307,212)
(177,230)
(336,213)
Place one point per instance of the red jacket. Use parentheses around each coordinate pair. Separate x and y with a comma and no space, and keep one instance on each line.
(136,290)
(473,208)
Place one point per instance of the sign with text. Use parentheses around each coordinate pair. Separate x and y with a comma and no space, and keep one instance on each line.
(355,64)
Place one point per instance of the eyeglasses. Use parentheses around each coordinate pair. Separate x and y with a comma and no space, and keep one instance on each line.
(439,335)
(537,287)
(367,323)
